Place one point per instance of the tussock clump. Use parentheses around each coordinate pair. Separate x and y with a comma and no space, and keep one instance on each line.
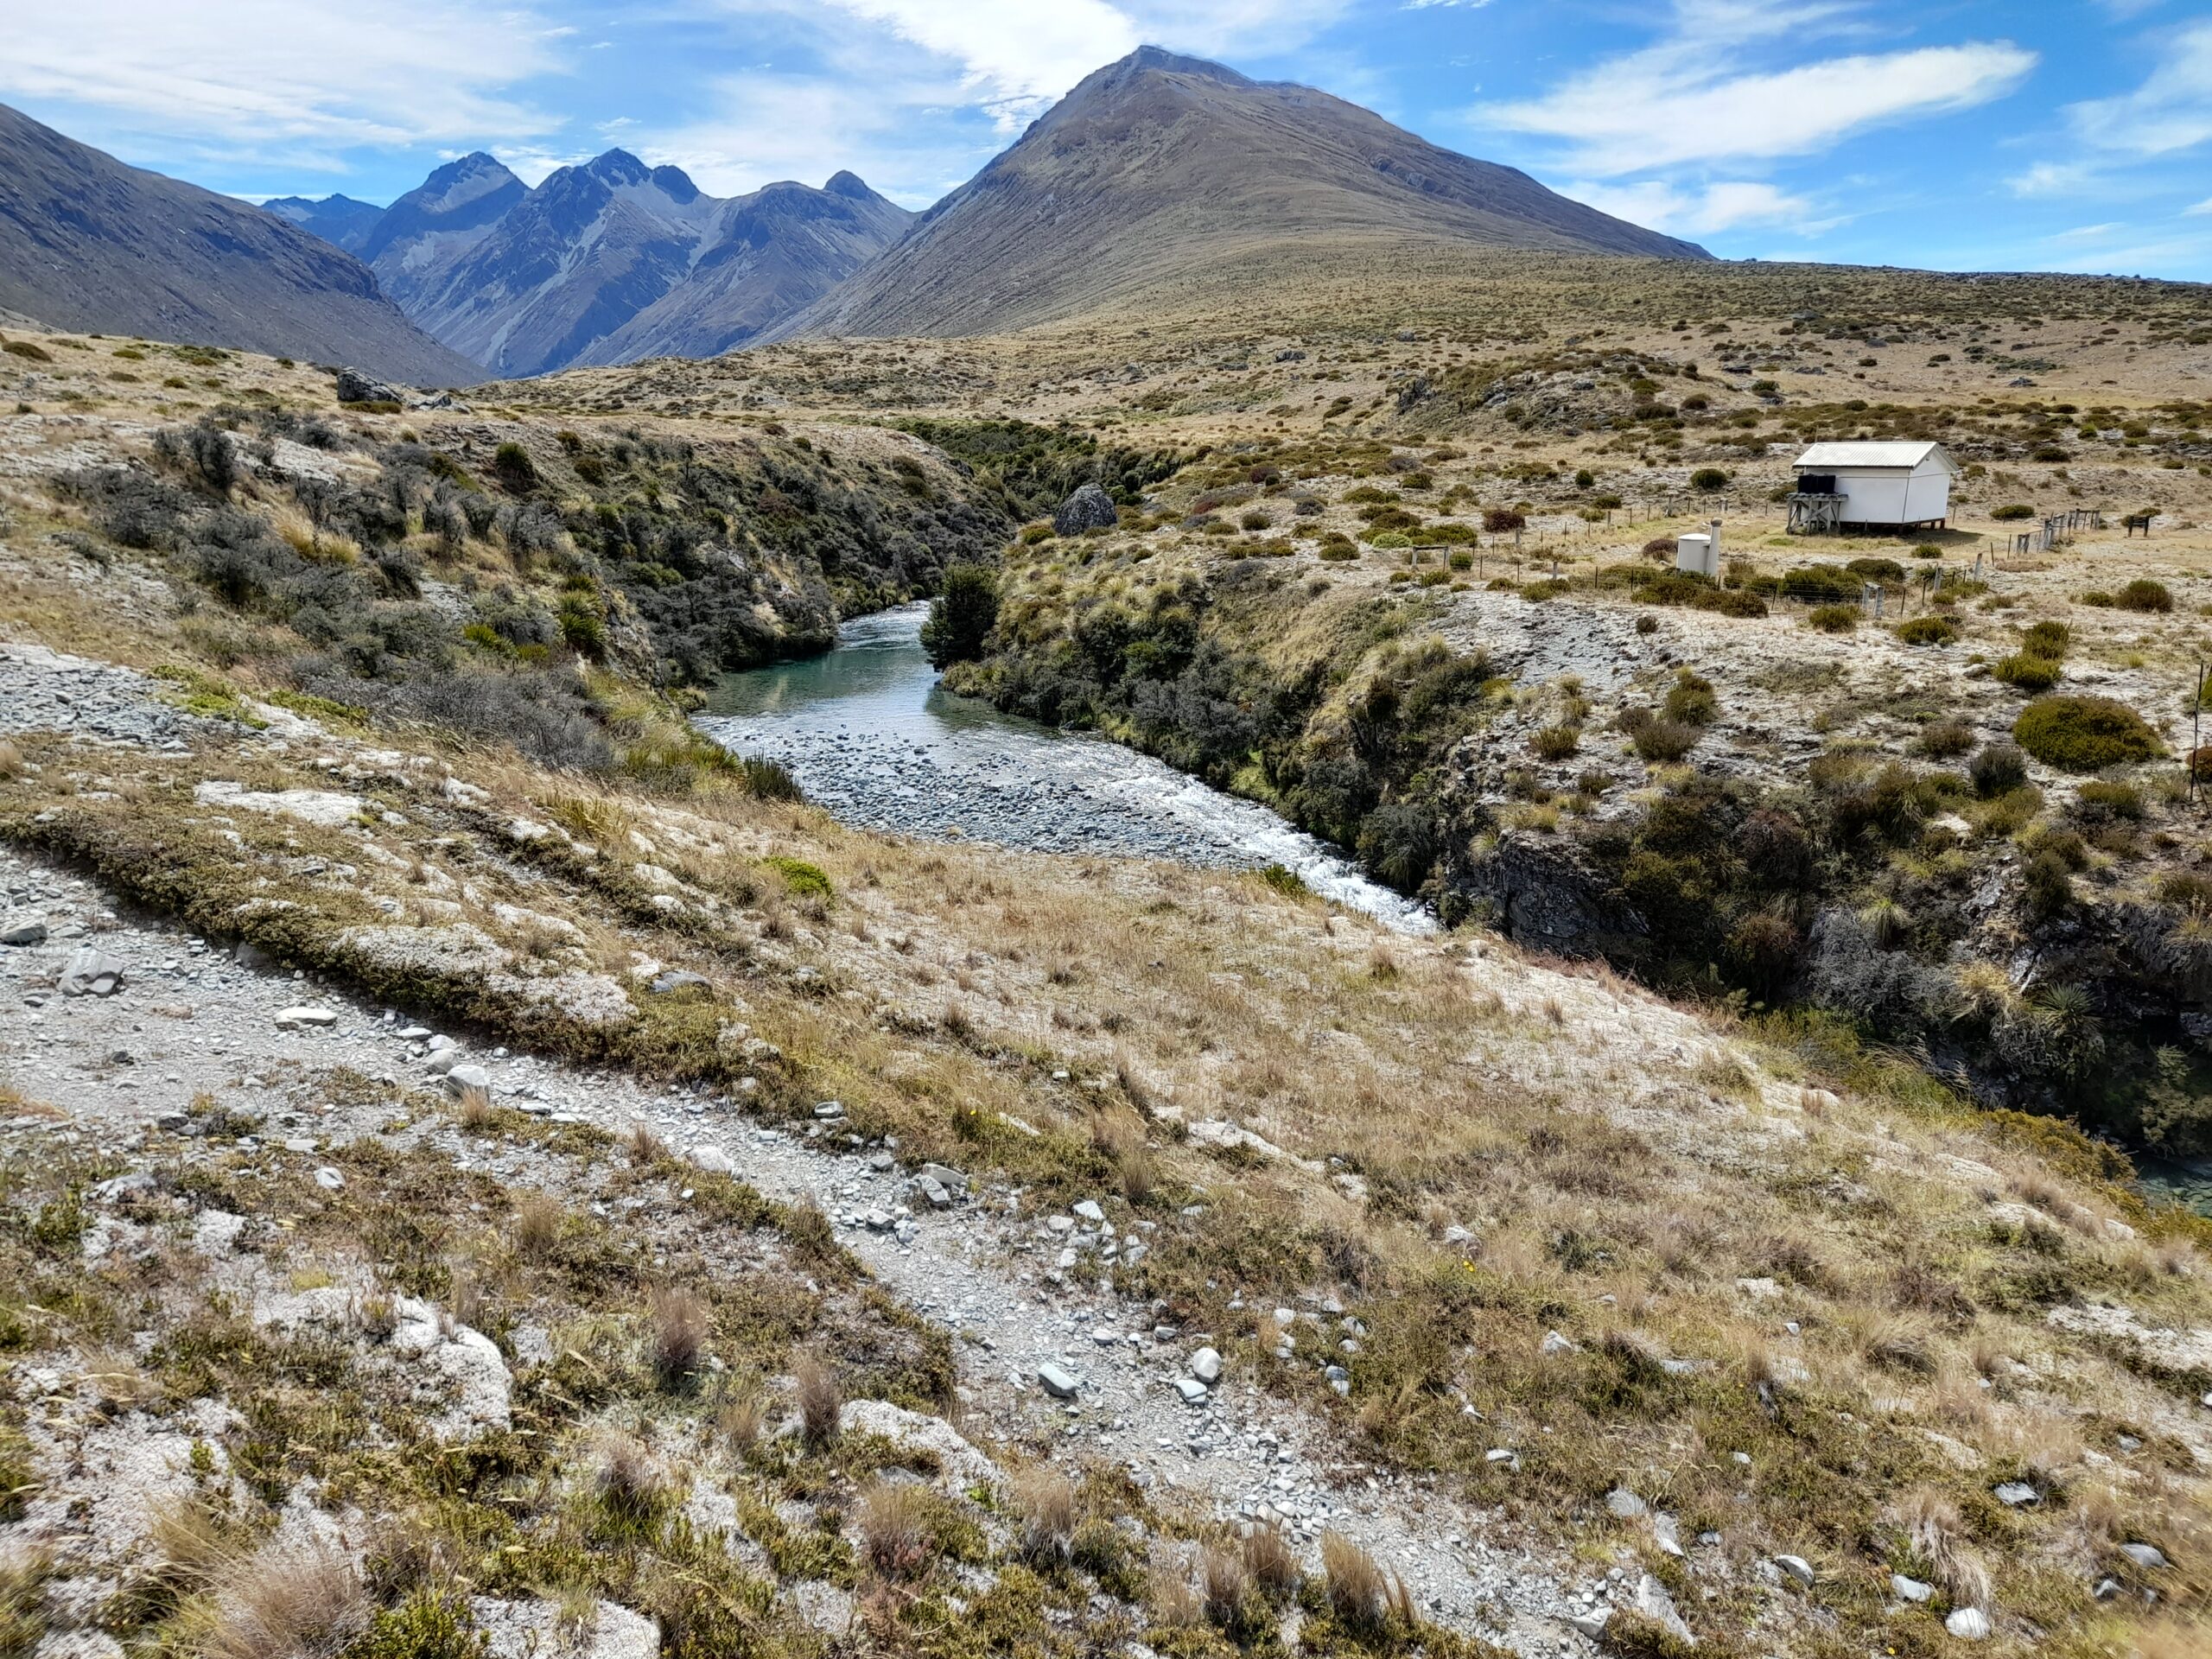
(740,1418)
(538,1219)
(1271,1563)
(1044,1503)
(628,1480)
(820,1396)
(282,1602)
(894,1526)
(681,1322)
(1358,1591)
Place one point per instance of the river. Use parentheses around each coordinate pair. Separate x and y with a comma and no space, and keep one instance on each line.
(870,733)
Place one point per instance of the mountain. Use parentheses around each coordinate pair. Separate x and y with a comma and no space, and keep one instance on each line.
(613,260)
(423,234)
(86,243)
(339,220)
(1158,170)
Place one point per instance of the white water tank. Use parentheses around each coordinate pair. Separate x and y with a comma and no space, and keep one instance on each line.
(1699,553)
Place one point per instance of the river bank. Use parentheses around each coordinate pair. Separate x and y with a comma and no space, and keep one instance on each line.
(871,734)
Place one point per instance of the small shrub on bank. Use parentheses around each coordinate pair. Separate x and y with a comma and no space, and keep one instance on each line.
(2014,511)
(1833,618)
(2026,671)
(2000,769)
(1945,739)
(1929,631)
(1555,742)
(2083,733)
(2144,595)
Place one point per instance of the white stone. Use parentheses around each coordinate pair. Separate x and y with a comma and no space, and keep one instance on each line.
(1206,1365)
(1797,1567)
(1967,1624)
(1910,1589)
(306,1014)
(329,1179)
(712,1160)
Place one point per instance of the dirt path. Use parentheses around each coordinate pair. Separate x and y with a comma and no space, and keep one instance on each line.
(186,1018)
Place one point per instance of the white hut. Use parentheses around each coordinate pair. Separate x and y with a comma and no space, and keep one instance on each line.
(1897,485)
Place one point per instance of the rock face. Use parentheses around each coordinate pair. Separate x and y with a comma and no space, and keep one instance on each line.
(93,245)
(339,220)
(1157,169)
(1089,508)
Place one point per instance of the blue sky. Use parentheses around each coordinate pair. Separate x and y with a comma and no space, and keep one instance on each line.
(1956,133)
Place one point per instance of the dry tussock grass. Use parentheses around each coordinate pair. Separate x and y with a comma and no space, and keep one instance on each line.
(820,1395)
(281,1603)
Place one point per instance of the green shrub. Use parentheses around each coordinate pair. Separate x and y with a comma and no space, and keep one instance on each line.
(1033,534)
(2000,769)
(1945,739)
(2026,671)
(1708,479)
(2083,733)
(1336,550)
(1390,538)
(512,467)
(1833,618)
(1459,559)
(802,877)
(1929,631)
(962,617)
(1691,700)
(1555,742)
(1876,569)
(1819,581)
(2049,639)
(2144,595)
(1498,520)
(2016,510)
(2098,801)
(1662,742)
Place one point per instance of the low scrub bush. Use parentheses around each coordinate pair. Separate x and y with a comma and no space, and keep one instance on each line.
(1833,618)
(2084,733)
(2013,510)
(2144,595)
(1929,631)
(1663,741)
(1943,739)
(2000,769)
(2026,671)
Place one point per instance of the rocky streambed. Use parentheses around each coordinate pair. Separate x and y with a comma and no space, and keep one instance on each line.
(870,733)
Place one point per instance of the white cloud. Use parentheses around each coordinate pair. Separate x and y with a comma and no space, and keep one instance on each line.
(1648,110)
(766,126)
(1016,57)
(2171,110)
(1701,210)
(2200,208)
(2053,178)
(294,80)
(2088,233)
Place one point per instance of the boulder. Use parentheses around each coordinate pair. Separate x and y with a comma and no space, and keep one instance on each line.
(1650,1598)
(22,930)
(354,387)
(1967,1623)
(1206,1365)
(1089,508)
(681,979)
(92,973)
(1057,1381)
